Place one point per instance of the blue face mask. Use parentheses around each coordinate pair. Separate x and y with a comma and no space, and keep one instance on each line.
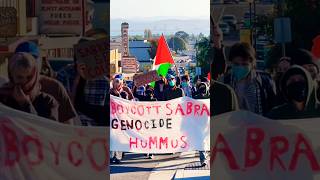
(240,72)
(172,83)
(184,84)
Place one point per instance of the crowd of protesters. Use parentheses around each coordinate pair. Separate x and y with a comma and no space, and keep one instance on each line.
(288,91)
(167,88)
(64,96)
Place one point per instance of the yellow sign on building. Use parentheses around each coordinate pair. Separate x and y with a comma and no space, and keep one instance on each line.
(245,36)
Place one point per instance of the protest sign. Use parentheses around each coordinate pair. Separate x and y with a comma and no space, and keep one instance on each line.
(248,146)
(60,17)
(8,22)
(129,64)
(142,79)
(177,125)
(92,58)
(36,148)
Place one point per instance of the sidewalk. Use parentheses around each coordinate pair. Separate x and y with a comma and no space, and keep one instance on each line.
(185,167)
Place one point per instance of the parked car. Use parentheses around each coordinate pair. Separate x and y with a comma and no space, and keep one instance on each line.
(224,28)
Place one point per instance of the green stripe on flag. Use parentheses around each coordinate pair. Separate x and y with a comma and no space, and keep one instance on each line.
(163,69)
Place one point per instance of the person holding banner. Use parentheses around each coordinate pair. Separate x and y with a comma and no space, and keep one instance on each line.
(172,91)
(185,85)
(299,91)
(255,90)
(159,89)
(23,91)
(118,87)
(66,111)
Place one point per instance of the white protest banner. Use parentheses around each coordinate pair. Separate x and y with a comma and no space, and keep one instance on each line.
(177,125)
(248,146)
(36,148)
(92,57)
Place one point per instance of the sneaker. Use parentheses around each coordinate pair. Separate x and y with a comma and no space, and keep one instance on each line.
(203,164)
(117,161)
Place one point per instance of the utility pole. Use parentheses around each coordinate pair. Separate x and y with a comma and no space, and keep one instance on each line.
(254,24)
(281,14)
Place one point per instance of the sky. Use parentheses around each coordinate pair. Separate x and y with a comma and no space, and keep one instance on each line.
(131,9)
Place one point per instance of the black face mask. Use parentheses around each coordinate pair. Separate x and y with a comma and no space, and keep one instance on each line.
(297,91)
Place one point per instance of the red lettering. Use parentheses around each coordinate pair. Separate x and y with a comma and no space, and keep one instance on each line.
(140,107)
(75,162)
(153,141)
(176,145)
(168,107)
(255,137)
(133,142)
(56,151)
(298,150)
(276,150)
(189,108)
(183,139)
(225,150)
(11,146)
(113,107)
(157,109)
(163,140)
(27,140)
(205,109)
(90,153)
(145,145)
(179,108)
(196,109)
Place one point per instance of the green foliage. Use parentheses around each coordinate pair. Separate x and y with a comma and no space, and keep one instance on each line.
(153,50)
(204,54)
(136,38)
(183,35)
(177,44)
(305,23)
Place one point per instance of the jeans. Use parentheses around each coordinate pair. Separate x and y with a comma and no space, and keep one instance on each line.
(203,156)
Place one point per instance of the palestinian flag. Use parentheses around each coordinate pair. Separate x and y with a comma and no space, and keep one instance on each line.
(163,59)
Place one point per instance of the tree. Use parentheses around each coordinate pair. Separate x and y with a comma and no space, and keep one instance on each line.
(147,34)
(204,54)
(136,38)
(177,44)
(305,24)
(153,50)
(183,35)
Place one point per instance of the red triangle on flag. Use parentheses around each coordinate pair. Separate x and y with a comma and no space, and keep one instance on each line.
(163,54)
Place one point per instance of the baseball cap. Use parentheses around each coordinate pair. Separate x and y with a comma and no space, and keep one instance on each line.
(169,76)
(118,76)
(28,47)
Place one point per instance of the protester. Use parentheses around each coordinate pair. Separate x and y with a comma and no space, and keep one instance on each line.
(118,87)
(305,59)
(255,90)
(23,91)
(159,89)
(299,90)
(222,97)
(172,91)
(88,96)
(202,92)
(186,86)
(283,65)
(66,111)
